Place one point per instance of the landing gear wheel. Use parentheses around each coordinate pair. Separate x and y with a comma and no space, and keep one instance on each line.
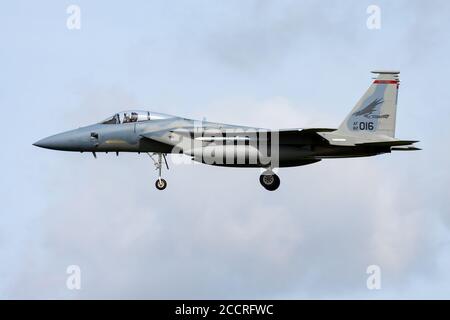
(270,181)
(160,184)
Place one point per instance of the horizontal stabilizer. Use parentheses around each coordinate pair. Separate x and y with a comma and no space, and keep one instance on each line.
(388,143)
(405,148)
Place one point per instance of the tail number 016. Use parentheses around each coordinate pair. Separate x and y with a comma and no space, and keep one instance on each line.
(363,126)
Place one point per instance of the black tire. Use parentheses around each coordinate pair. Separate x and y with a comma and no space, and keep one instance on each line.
(270,182)
(161,184)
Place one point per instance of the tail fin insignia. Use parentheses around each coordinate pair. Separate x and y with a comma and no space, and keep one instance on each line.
(370,109)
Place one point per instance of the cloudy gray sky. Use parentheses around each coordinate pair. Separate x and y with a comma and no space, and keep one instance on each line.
(215,232)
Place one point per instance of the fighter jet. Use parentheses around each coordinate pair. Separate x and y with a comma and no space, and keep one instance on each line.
(368,130)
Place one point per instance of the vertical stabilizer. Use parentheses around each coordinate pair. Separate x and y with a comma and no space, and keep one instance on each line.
(375,112)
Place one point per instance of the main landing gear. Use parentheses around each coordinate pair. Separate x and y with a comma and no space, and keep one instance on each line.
(160,184)
(269,180)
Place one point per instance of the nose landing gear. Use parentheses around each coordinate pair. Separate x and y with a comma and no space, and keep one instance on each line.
(269,180)
(160,184)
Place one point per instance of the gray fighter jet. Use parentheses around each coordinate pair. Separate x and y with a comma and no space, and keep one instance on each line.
(367,131)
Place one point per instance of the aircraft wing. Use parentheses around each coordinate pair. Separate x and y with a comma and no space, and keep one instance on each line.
(301,136)
(285,136)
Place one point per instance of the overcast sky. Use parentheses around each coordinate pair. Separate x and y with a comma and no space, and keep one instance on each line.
(215,232)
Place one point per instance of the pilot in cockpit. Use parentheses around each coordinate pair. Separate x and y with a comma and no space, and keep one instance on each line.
(134,117)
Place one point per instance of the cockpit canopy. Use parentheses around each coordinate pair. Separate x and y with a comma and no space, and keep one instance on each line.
(134,116)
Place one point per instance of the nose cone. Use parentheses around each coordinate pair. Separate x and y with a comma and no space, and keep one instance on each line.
(67,141)
(56,142)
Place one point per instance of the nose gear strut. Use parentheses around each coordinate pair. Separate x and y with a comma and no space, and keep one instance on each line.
(160,184)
